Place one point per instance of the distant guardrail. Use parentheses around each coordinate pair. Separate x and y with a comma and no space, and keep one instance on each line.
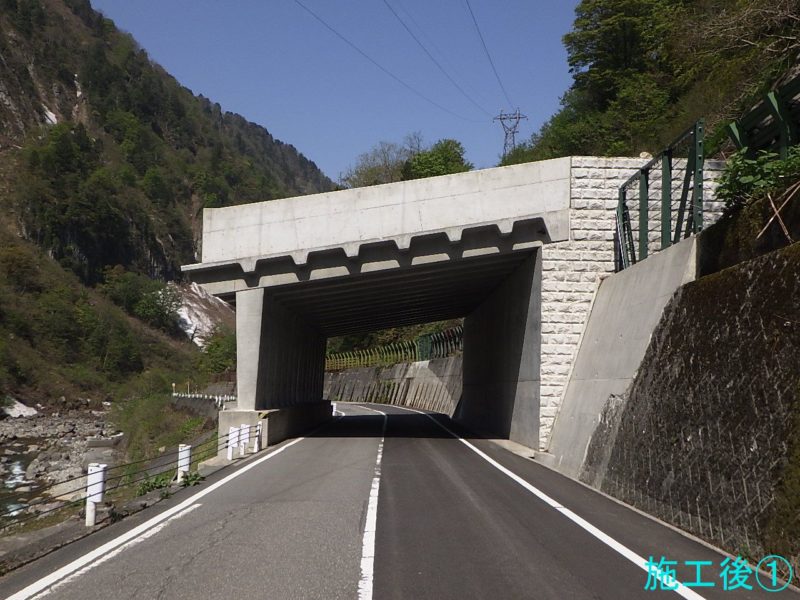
(219,401)
(425,347)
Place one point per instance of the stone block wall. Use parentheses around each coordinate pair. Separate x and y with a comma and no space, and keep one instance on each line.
(572,270)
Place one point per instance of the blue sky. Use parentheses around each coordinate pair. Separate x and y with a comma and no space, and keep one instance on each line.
(275,64)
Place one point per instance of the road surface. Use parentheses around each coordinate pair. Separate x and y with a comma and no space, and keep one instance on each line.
(383,502)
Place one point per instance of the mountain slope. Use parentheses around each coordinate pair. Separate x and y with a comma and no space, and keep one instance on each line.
(645,70)
(107,158)
(106,162)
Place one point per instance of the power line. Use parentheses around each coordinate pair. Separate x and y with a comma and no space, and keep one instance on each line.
(377,64)
(436,62)
(489,56)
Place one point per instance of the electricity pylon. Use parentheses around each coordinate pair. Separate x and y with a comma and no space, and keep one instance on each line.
(510,123)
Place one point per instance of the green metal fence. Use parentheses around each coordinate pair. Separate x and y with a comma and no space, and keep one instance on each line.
(663,201)
(433,345)
(773,124)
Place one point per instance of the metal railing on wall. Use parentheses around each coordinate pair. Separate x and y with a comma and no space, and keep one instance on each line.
(425,347)
(773,124)
(667,203)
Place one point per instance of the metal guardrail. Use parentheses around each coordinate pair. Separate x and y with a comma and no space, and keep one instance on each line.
(773,124)
(679,206)
(425,347)
(219,400)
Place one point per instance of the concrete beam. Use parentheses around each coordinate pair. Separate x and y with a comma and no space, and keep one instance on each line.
(399,211)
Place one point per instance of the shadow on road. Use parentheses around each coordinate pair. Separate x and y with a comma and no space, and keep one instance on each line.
(398,426)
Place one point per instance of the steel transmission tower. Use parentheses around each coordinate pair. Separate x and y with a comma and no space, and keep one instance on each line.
(510,123)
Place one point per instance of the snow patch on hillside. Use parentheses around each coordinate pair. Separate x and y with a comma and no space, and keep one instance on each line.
(200,313)
(49,115)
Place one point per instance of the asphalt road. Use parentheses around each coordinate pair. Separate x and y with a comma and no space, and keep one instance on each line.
(452,520)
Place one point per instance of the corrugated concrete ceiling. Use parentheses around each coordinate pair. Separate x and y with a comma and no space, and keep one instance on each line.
(398,297)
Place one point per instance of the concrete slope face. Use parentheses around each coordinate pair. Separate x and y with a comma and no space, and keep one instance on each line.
(626,311)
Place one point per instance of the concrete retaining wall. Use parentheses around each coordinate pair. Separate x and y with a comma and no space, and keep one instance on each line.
(625,312)
(427,385)
(203,407)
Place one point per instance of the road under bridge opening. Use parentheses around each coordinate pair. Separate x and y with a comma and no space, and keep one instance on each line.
(517,251)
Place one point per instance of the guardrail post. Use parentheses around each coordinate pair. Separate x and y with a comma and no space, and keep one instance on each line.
(95,486)
(233,440)
(257,441)
(244,438)
(666,199)
(184,460)
(644,212)
(697,190)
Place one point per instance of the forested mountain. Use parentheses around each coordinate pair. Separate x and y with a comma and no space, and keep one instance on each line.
(644,70)
(107,159)
(106,163)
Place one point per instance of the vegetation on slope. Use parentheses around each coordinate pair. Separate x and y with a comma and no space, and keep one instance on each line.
(644,70)
(59,339)
(105,164)
(388,162)
(122,177)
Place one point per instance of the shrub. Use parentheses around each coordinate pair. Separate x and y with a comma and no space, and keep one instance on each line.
(219,353)
(19,268)
(746,178)
(146,299)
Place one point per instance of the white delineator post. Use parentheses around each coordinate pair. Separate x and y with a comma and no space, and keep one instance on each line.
(244,438)
(233,440)
(95,486)
(184,460)
(257,440)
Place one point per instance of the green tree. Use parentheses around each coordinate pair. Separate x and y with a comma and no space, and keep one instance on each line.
(159,308)
(219,352)
(443,158)
(609,42)
(382,164)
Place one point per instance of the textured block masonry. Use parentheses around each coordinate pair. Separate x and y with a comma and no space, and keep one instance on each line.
(573,269)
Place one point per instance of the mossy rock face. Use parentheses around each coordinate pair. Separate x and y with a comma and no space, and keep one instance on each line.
(709,438)
(735,238)
(783,529)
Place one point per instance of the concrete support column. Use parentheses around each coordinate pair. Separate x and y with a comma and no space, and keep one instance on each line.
(502,342)
(249,311)
(292,358)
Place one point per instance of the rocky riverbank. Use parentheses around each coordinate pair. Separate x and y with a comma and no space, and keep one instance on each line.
(39,452)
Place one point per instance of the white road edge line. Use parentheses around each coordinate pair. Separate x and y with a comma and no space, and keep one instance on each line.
(639,561)
(147,534)
(97,553)
(371,521)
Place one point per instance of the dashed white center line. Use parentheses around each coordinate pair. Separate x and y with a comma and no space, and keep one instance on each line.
(370,525)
